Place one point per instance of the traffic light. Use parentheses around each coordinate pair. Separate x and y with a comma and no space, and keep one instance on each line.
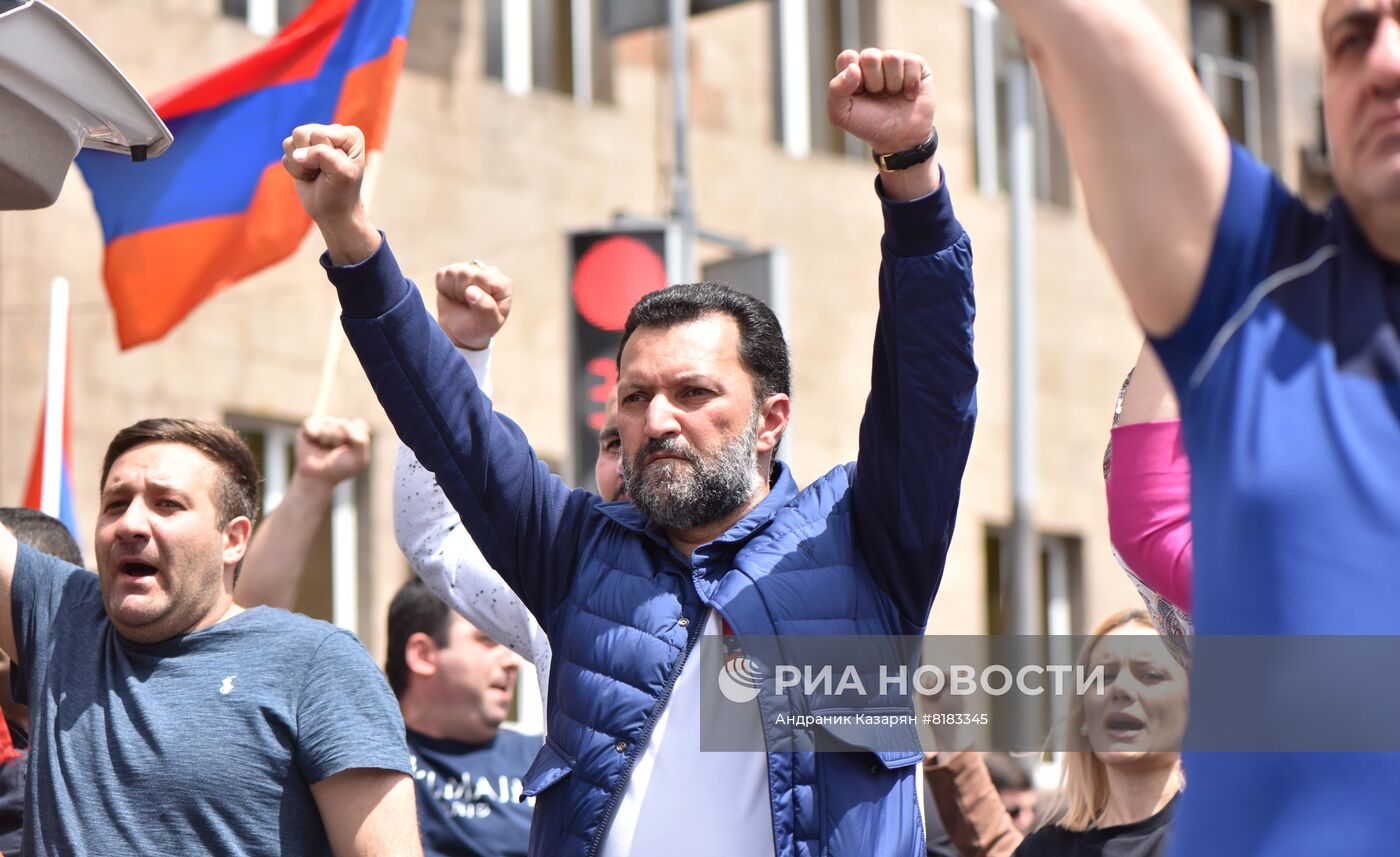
(610,270)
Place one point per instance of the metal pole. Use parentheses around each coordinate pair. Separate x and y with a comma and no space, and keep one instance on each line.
(681,206)
(1024,599)
(1023,589)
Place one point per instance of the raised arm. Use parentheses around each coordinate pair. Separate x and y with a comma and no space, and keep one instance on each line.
(1148,396)
(917,429)
(329,450)
(429,531)
(526,522)
(1151,153)
(1148,486)
(968,805)
(442,552)
(966,799)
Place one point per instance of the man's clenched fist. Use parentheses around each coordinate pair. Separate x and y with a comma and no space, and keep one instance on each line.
(331,449)
(473,302)
(327,165)
(327,162)
(886,99)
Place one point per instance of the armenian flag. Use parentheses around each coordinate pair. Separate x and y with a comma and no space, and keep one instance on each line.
(217,206)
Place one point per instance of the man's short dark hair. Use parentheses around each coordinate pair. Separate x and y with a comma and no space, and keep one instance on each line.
(239,490)
(763,352)
(415,609)
(44,533)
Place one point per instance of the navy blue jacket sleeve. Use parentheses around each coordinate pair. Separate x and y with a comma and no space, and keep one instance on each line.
(527,523)
(917,429)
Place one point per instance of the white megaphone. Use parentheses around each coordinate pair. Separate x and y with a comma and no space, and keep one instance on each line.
(59,93)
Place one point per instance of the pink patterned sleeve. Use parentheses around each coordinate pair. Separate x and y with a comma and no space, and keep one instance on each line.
(1149,507)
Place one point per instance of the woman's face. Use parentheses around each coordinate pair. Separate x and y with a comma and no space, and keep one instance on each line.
(1140,718)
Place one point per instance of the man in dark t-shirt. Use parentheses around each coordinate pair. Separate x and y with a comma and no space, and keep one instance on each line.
(469,798)
(455,686)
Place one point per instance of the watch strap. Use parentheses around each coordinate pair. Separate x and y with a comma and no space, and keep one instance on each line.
(908,157)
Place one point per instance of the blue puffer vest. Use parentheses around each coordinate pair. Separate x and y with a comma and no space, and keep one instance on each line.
(846,555)
(789,567)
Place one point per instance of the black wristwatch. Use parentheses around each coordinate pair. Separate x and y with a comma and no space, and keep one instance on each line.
(909,157)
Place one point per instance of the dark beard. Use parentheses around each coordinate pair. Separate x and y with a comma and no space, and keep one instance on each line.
(683,495)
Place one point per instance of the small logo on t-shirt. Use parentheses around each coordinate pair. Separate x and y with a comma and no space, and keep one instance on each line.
(227,686)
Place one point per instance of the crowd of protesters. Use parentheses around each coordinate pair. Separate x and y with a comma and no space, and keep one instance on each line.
(172,703)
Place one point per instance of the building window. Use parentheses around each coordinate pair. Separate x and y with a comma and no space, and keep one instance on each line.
(1231,43)
(551,38)
(809,35)
(1060,590)
(554,45)
(1060,583)
(330,585)
(1318,185)
(994,48)
(434,37)
(264,17)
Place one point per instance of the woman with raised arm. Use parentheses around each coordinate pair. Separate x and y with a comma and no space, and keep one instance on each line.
(1148,480)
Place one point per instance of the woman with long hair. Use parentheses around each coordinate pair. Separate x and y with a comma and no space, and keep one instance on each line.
(1121,776)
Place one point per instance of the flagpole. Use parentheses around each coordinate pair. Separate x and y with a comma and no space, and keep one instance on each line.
(328,363)
(51,487)
(334,338)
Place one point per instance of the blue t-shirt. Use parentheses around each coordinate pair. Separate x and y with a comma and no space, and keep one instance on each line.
(1288,374)
(206,743)
(469,795)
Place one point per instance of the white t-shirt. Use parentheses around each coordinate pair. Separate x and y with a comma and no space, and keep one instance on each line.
(682,802)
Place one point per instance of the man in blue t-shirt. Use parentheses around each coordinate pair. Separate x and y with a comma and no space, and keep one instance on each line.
(1280,329)
(165,719)
(455,687)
